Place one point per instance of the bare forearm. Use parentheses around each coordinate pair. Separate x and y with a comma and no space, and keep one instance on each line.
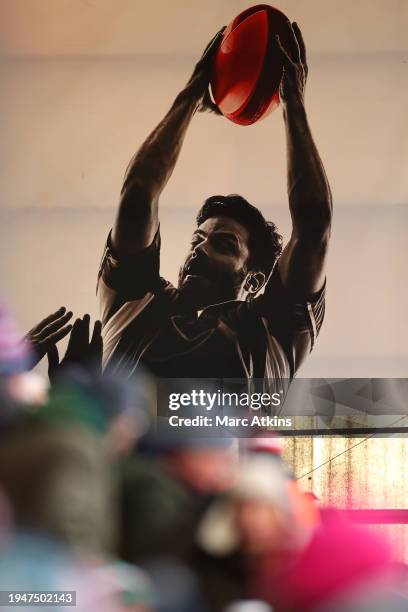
(154,162)
(309,192)
(148,172)
(302,263)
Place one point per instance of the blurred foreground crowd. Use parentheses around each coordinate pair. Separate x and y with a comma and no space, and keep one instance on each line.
(93,499)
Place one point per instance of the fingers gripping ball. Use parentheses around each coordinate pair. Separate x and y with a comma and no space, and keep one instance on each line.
(248,67)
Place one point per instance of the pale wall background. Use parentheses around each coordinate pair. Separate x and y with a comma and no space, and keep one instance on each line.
(84,81)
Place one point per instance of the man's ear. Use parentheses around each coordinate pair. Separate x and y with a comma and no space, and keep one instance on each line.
(254,282)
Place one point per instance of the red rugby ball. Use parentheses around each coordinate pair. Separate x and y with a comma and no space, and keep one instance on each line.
(247,68)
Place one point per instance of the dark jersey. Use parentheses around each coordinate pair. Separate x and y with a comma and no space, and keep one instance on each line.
(146,322)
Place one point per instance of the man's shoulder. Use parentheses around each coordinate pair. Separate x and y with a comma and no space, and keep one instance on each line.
(118,307)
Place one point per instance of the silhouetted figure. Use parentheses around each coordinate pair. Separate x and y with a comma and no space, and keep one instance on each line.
(234,314)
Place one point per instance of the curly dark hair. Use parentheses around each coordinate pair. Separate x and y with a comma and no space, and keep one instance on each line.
(265,243)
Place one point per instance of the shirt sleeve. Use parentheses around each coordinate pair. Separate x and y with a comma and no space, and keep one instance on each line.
(295,324)
(131,276)
(127,280)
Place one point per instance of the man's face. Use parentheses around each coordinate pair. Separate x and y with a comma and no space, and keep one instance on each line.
(216,264)
(262,526)
(207,471)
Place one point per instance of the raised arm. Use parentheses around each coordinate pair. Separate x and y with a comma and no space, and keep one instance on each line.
(148,172)
(301,265)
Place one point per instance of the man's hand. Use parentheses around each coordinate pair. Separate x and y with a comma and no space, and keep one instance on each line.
(47,333)
(293,83)
(80,350)
(198,84)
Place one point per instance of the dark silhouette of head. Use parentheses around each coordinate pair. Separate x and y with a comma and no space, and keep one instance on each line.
(232,253)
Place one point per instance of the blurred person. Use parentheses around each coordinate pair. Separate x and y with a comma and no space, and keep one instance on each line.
(57,474)
(157,527)
(58,490)
(166,488)
(343,568)
(54,471)
(249,536)
(58,479)
(234,314)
